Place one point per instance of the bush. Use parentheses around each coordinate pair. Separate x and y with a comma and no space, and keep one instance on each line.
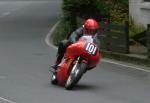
(61,32)
(117,10)
(135,29)
(119,13)
(85,8)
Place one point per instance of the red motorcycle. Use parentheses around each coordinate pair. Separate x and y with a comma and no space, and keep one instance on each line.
(77,59)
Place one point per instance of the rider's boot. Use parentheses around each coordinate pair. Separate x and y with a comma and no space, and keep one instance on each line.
(54,66)
(60,53)
(57,62)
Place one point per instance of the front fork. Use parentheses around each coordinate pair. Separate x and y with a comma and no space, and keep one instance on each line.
(75,65)
(78,60)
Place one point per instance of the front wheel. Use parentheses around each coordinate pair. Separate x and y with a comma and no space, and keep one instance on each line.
(75,75)
(54,79)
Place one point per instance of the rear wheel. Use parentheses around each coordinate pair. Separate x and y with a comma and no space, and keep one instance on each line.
(75,76)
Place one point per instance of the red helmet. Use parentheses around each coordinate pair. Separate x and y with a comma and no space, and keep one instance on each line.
(91,26)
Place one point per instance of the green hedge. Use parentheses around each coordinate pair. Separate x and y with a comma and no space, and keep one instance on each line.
(119,13)
(61,32)
(96,9)
(134,28)
(80,7)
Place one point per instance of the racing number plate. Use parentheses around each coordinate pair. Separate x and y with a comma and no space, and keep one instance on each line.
(91,48)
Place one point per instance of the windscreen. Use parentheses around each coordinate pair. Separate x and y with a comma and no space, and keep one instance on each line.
(87,38)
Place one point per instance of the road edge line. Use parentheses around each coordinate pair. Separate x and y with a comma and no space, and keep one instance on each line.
(127,66)
(9,101)
(48,36)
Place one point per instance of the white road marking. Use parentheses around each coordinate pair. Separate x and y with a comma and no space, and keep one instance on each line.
(6,100)
(4,14)
(47,39)
(104,60)
(128,66)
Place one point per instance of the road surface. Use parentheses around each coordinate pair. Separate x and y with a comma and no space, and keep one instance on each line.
(25,59)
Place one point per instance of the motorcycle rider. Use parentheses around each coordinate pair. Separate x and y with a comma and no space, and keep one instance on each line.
(90,27)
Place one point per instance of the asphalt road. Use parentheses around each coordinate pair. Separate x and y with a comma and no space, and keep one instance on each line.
(25,58)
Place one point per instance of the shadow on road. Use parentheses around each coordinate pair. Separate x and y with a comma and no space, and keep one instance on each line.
(86,87)
(80,87)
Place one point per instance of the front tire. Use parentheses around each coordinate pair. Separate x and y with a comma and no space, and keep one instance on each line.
(54,79)
(75,76)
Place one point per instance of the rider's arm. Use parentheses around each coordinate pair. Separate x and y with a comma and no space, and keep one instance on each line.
(76,35)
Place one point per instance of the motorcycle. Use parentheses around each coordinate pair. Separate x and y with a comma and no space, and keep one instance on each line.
(77,59)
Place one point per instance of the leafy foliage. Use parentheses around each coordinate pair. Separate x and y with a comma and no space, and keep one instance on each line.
(61,32)
(119,13)
(135,29)
(117,10)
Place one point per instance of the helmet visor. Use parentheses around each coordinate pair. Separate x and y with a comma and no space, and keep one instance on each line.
(91,32)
